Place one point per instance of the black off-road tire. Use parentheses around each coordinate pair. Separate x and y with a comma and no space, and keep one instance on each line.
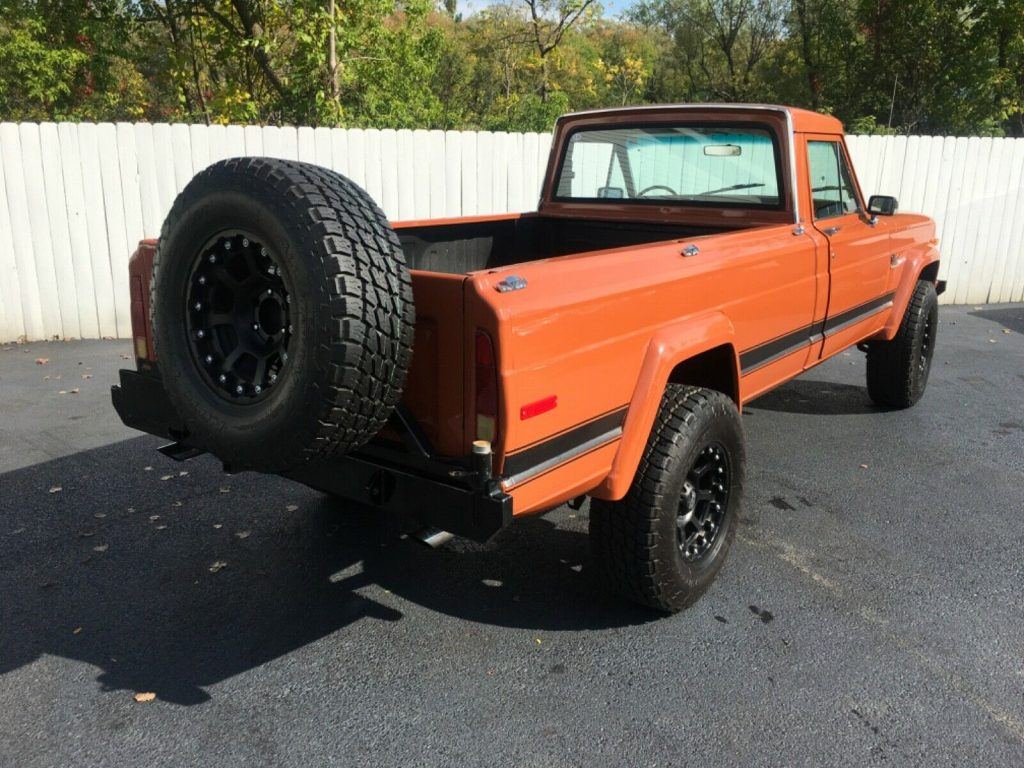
(898,369)
(636,542)
(350,313)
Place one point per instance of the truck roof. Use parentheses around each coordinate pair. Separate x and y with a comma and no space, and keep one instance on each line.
(802,120)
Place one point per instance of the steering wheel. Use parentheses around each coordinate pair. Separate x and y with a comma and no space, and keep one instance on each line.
(651,188)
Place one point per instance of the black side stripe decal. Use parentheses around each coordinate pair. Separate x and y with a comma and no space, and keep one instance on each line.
(540,453)
(851,316)
(563,445)
(770,351)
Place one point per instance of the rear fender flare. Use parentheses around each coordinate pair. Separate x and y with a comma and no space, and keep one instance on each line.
(668,347)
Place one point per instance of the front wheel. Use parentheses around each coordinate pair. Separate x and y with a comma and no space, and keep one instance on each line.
(663,544)
(898,369)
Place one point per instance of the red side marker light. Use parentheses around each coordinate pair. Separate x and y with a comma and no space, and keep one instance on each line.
(538,407)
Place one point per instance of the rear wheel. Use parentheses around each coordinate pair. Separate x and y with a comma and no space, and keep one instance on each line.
(898,369)
(282,313)
(663,544)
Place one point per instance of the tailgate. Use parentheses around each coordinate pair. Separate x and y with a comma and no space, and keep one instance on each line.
(434,389)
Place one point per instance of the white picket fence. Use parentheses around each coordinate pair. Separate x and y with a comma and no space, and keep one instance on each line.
(76,197)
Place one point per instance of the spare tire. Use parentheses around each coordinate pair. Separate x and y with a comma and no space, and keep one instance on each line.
(282,313)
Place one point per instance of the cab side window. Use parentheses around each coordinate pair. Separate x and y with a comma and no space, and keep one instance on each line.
(831,181)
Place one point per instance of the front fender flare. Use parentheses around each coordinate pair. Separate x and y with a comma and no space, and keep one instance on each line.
(668,347)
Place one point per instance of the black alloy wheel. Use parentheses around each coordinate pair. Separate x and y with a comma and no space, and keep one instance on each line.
(703,502)
(237,313)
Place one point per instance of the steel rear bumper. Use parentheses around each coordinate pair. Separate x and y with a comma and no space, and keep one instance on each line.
(418,489)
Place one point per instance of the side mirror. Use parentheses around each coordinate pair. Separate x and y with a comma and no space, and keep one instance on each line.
(882,205)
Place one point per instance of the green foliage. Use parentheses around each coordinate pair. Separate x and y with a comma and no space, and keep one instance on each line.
(926,66)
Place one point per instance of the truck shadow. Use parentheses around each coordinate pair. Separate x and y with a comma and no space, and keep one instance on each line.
(1006,317)
(247,569)
(818,398)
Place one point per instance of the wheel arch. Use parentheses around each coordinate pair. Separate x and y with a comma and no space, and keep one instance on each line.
(923,265)
(700,351)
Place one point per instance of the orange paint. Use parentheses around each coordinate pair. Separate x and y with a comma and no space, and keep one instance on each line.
(768,294)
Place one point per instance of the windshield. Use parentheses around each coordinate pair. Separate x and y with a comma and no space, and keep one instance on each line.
(698,164)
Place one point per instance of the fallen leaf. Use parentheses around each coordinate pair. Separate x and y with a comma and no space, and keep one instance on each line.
(147,469)
(218,565)
(1006,330)
(62,392)
(167,477)
(176,504)
(537,639)
(991,341)
(161,527)
(86,534)
(100,514)
(86,375)
(100,548)
(863,466)
(154,517)
(46,378)
(76,630)
(73,391)
(217,525)
(42,360)
(142,698)
(292,507)
(224,489)
(243,534)
(56,489)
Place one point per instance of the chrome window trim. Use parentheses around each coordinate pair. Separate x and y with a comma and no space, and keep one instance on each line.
(795,188)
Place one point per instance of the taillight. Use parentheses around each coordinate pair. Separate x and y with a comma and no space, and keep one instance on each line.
(486,389)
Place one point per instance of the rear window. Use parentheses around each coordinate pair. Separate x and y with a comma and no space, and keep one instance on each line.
(672,164)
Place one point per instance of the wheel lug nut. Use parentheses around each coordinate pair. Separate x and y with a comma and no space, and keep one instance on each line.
(209,359)
(222,378)
(263,251)
(257,389)
(245,242)
(255,326)
(198,306)
(200,333)
(227,245)
(239,389)
(273,378)
(213,258)
(202,280)
(291,329)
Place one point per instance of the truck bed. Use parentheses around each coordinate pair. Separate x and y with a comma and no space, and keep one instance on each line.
(466,245)
(442,254)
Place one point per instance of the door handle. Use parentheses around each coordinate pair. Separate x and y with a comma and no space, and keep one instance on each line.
(831,230)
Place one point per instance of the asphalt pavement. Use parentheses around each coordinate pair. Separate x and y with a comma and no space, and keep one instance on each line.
(871,612)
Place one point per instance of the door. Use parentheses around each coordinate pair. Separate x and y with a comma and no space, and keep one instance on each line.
(858,256)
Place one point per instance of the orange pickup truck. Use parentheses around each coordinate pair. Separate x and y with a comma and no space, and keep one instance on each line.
(461,373)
